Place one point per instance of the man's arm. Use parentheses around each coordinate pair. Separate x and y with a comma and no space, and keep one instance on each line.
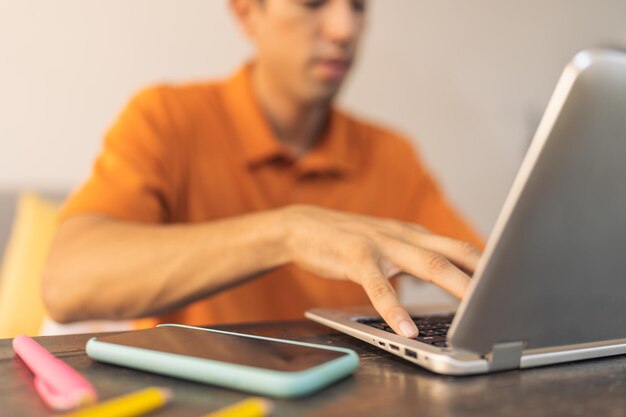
(100,267)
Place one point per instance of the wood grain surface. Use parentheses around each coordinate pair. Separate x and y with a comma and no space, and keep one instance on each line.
(382,386)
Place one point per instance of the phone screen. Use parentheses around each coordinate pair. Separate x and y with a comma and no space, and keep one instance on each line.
(234,349)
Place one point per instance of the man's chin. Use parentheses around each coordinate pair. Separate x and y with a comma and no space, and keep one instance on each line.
(324,92)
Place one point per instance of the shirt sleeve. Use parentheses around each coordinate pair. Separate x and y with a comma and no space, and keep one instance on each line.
(428,206)
(132,178)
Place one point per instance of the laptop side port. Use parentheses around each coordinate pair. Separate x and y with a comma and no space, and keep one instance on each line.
(394,347)
(381,343)
(411,354)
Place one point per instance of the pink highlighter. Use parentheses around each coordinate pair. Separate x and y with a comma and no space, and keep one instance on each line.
(58,385)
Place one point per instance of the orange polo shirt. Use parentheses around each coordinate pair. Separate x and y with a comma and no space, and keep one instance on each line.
(201,152)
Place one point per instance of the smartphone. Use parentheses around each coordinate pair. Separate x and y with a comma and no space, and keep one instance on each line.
(261,365)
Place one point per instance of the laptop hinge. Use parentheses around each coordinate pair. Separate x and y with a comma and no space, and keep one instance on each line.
(505,356)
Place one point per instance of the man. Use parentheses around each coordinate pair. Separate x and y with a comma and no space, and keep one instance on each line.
(232,201)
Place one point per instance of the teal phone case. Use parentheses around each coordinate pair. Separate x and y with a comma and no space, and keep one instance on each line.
(245,378)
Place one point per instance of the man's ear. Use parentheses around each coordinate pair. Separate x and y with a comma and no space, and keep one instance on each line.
(246,14)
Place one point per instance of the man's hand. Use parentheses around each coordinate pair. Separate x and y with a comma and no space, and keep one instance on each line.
(151,269)
(369,250)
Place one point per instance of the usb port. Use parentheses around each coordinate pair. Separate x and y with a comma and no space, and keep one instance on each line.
(394,347)
(410,353)
(381,343)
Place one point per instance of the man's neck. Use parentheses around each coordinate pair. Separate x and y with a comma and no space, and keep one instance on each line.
(296,124)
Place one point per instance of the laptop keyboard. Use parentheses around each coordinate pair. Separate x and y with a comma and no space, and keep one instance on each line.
(433,329)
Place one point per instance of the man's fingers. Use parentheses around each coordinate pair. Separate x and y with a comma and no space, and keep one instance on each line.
(384,300)
(428,266)
(463,254)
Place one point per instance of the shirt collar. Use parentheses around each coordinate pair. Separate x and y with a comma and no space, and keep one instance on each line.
(332,153)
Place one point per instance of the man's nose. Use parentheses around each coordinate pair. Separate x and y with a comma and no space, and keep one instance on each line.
(342,22)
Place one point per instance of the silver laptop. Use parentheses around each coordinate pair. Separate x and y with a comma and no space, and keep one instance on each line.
(551,284)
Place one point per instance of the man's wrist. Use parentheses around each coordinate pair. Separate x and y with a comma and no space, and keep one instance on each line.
(279,232)
(286,221)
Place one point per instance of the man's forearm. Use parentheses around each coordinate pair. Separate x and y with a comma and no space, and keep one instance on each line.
(104,268)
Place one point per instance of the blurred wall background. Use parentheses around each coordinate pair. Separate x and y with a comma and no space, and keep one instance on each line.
(466,80)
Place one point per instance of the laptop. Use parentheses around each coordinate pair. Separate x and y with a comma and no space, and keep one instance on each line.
(551,284)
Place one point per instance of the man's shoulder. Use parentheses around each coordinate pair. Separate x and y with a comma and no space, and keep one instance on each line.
(183,105)
(178,94)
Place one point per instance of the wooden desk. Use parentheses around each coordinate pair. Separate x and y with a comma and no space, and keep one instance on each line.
(382,386)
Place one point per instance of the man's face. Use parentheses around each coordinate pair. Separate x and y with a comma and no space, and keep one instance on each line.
(306,47)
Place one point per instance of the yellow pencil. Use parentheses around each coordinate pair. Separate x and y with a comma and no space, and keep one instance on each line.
(252,407)
(134,404)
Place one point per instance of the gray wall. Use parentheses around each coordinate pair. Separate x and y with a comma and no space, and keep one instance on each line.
(467,80)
